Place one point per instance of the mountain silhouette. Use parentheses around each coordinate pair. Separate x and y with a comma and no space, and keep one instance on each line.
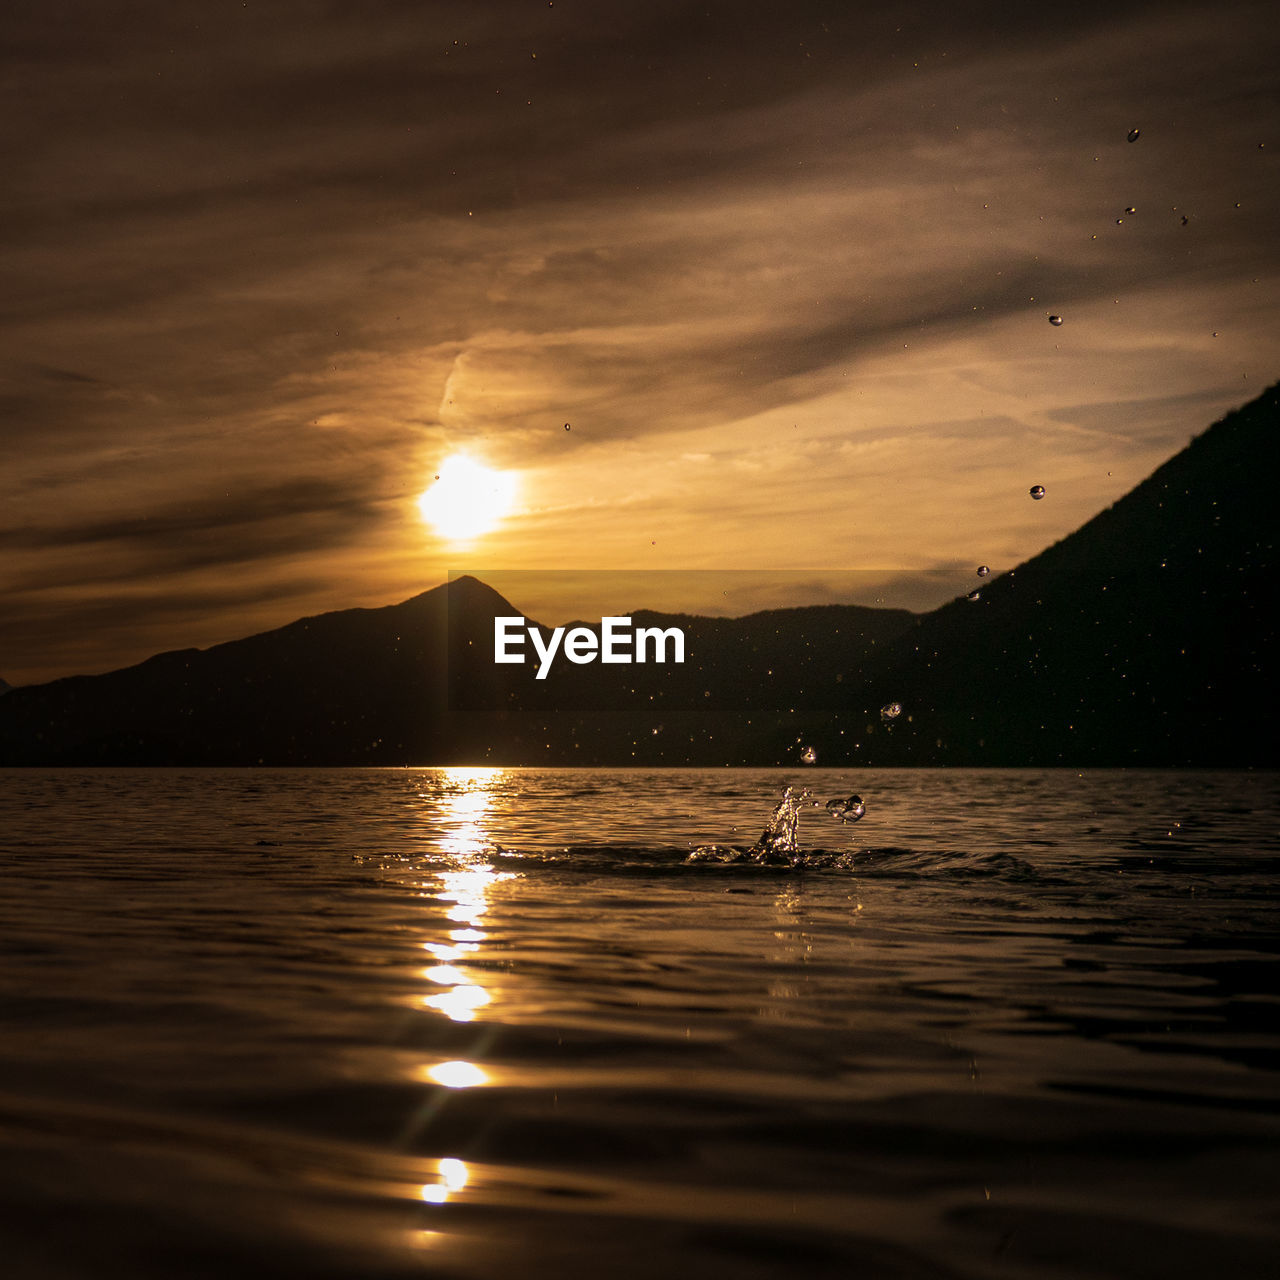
(1146,637)
(416,683)
(742,679)
(360,686)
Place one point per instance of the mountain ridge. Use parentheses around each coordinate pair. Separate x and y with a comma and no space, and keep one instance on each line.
(1166,619)
(1144,637)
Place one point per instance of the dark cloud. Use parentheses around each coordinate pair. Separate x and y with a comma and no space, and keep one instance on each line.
(66,375)
(228,531)
(192,521)
(71,634)
(1139,419)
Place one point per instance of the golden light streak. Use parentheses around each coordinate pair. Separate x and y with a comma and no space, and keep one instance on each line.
(454,1176)
(457,1075)
(460,1003)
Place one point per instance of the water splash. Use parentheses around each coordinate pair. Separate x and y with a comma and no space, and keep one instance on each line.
(779,842)
(890,712)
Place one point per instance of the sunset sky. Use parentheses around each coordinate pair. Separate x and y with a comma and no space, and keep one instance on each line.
(785,269)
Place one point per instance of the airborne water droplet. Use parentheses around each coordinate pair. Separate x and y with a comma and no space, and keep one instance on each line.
(1131,209)
(566,426)
(1134,134)
(849,810)
(1037,491)
(809,756)
(1055,320)
(890,711)
(983,570)
(974,595)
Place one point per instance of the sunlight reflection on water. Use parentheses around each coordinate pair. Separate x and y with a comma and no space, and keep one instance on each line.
(466,798)
(1033,1002)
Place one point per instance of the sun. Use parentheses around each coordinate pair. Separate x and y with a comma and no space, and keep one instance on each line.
(467,499)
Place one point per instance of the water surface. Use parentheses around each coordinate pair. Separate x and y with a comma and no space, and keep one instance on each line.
(490,1022)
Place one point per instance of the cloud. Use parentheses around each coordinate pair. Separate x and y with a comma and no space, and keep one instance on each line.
(81,630)
(310,252)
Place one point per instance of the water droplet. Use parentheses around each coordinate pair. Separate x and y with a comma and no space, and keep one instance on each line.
(974,595)
(1134,134)
(890,711)
(1131,209)
(566,426)
(1185,219)
(849,810)
(808,756)
(1037,491)
(1055,320)
(983,570)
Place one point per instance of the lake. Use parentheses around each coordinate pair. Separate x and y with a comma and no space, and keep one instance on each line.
(474,1023)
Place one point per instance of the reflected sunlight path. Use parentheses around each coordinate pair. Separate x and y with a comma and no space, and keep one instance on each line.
(456,991)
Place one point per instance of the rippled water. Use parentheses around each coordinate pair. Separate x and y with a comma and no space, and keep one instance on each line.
(490,1023)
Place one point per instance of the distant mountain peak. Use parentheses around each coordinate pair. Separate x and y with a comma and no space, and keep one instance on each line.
(468,588)
(1144,637)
